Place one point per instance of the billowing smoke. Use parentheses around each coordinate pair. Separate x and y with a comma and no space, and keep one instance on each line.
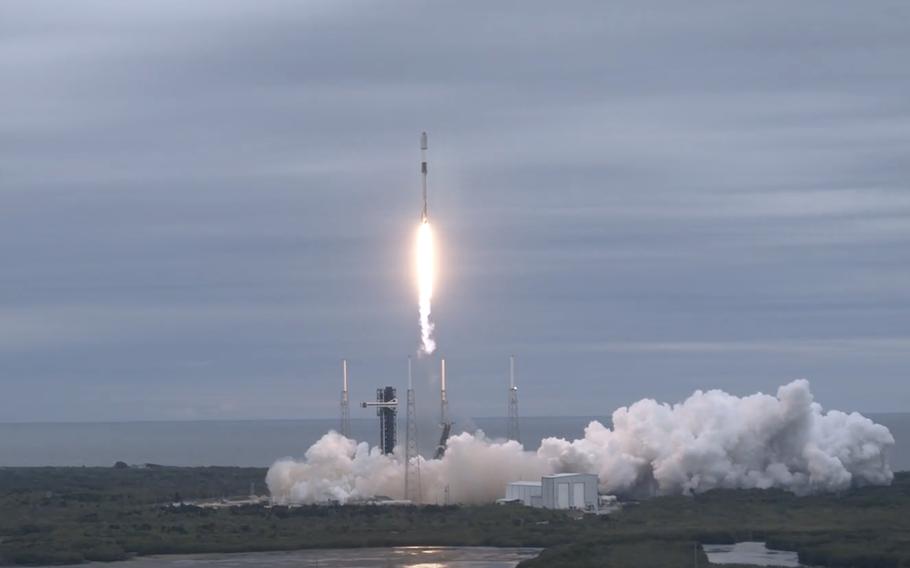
(711,440)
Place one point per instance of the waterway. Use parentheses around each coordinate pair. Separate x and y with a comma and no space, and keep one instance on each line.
(751,554)
(400,557)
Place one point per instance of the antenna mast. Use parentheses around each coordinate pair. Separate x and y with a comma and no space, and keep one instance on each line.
(345,403)
(513,433)
(412,488)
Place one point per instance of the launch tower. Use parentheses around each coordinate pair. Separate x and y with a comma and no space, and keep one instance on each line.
(387,409)
(444,423)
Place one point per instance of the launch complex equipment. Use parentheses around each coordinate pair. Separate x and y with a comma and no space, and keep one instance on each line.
(387,409)
(412,489)
(444,423)
(345,403)
(513,433)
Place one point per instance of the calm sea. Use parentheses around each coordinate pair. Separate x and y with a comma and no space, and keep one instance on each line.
(260,442)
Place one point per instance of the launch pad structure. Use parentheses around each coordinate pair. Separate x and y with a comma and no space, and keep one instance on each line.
(387,409)
(412,490)
(386,406)
(513,429)
(444,423)
(345,401)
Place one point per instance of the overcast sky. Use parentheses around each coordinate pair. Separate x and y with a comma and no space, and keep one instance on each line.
(206,205)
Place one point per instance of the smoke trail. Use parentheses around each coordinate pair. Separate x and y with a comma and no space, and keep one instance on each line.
(710,440)
(426,269)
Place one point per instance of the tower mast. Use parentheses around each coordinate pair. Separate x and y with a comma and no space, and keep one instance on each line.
(345,403)
(412,488)
(513,431)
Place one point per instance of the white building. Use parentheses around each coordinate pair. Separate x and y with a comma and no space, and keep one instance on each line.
(570,491)
(527,492)
(559,491)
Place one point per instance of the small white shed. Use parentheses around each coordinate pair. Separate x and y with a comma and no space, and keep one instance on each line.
(528,492)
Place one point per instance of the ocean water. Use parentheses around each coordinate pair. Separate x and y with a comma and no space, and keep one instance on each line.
(261,442)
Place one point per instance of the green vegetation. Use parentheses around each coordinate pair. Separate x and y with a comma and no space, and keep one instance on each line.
(863,528)
(69,515)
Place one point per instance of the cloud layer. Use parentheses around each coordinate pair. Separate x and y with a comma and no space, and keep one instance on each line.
(208,205)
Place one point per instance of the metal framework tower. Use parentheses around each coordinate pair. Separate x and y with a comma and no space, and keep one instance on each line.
(412,488)
(345,402)
(443,398)
(513,431)
(387,409)
(444,421)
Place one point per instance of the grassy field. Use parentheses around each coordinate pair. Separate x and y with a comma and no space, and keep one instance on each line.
(69,515)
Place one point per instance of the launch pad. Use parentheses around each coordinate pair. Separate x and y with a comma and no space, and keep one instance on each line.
(386,405)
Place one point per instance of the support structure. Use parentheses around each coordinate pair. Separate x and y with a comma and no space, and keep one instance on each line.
(412,490)
(387,409)
(513,430)
(444,423)
(345,402)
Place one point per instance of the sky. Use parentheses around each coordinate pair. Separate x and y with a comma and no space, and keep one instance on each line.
(207,205)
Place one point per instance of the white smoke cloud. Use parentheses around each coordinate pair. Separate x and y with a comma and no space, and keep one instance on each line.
(711,440)
(427,343)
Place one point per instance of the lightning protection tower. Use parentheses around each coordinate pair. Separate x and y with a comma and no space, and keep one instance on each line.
(412,489)
(345,402)
(513,432)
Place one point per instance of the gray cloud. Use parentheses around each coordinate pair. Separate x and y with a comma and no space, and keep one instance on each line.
(207,204)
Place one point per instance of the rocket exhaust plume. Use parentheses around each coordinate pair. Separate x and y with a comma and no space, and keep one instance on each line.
(426,261)
(425,275)
(710,440)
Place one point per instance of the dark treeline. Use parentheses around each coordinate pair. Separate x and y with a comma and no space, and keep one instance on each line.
(72,515)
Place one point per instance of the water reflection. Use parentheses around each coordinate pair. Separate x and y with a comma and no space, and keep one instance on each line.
(402,557)
(750,553)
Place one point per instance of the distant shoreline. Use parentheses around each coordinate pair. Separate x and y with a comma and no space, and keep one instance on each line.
(255,443)
(331,419)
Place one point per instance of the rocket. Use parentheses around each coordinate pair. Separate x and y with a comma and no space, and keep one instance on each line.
(424,217)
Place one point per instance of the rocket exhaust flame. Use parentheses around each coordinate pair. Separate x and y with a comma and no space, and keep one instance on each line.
(426,274)
(426,261)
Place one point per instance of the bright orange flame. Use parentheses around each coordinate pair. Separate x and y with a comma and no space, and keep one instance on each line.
(426,275)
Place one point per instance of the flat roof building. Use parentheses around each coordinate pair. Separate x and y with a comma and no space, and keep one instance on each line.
(559,491)
(570,491)
(527,492)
